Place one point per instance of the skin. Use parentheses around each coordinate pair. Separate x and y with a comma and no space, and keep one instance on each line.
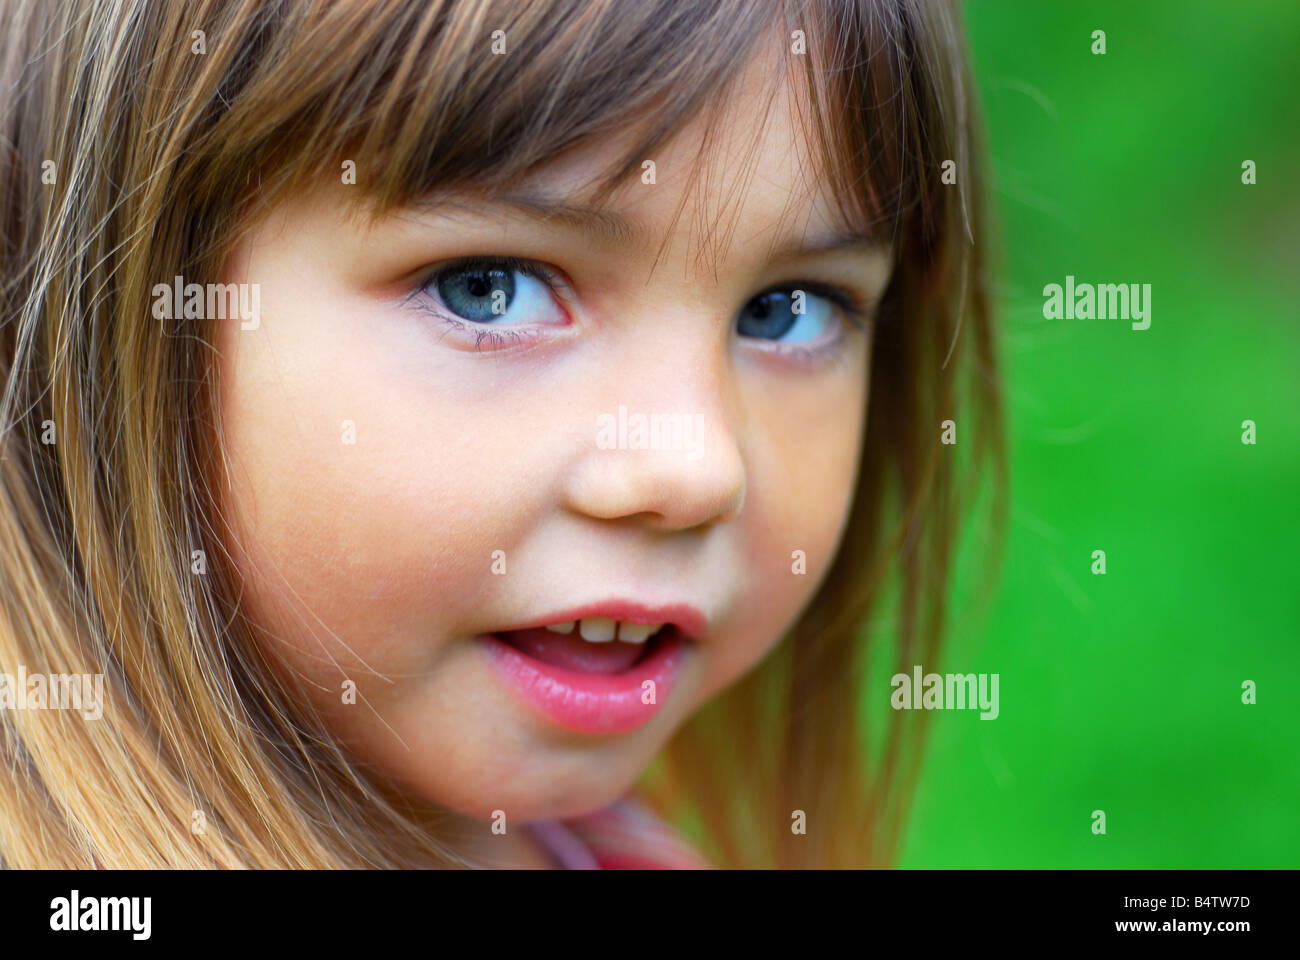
(371,561)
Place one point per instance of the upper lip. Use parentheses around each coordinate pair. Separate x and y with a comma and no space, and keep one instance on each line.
(688,620)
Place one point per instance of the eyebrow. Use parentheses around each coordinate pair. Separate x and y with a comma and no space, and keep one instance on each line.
(611,227)
(848,241)
(604,224)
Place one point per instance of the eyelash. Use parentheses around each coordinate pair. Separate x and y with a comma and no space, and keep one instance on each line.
(850,305)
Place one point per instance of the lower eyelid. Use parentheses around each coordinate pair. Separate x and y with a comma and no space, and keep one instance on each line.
(498,337)
(805,352)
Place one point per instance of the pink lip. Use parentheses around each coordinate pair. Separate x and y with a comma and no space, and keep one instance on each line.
(600,703)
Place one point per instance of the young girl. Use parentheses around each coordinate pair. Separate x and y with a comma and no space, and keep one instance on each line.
(479,433)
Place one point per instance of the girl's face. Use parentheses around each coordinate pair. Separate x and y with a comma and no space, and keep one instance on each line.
(635,418)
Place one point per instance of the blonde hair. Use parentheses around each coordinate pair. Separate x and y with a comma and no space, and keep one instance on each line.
(159,156)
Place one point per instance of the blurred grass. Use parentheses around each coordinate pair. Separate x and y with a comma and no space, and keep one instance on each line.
(1123,692)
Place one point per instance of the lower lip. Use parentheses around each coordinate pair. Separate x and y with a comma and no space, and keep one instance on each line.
(590,702)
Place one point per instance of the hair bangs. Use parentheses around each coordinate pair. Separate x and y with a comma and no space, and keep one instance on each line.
(417,99)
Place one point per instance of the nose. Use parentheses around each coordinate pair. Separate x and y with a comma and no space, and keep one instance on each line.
(662,448)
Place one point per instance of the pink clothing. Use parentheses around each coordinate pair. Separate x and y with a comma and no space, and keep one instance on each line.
(626,835)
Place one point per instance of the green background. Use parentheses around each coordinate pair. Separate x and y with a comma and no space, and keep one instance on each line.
(1122,692)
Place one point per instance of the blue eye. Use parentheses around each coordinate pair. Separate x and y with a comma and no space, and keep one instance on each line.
(787,316)
(500,291)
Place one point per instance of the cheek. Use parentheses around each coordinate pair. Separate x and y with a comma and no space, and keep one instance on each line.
(803,459)
(353,504)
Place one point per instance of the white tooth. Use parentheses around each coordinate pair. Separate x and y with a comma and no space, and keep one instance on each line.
(636,632)
(597,629)
(566,627)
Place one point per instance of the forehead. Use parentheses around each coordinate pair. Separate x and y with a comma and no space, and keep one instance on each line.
(742,171)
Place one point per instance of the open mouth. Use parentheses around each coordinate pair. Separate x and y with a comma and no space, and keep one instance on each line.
(595,645)
(609,669)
